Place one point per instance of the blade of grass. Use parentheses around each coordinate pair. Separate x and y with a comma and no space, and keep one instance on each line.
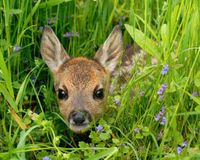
(143,41)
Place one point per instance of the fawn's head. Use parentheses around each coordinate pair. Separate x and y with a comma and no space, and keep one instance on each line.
(81,84)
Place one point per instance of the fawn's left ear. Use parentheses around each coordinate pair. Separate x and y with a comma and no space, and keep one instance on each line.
(52,50)
(111,51)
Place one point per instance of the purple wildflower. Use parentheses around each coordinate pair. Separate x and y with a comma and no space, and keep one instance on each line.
(162,89)
(160,114)
(163,120)
(46,158)
(49,21)
(165,70)
(157,117)
(128,46)
(33,79)
(99,128)
(16,48)
(179,149)
(195,94)
(117,102)
(164,86)
(184,144)
(162,111)
(71,34)
(68,34)
(136,130)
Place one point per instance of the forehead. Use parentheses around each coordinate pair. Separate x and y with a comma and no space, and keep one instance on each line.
(81,71)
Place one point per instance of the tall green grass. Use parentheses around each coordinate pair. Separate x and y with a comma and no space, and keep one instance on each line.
(30,124)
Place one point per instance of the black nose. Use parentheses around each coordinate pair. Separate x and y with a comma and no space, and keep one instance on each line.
(78,117)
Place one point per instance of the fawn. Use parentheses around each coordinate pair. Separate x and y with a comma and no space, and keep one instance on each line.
(81,84)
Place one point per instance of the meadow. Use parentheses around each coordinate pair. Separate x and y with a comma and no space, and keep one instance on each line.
(161,120)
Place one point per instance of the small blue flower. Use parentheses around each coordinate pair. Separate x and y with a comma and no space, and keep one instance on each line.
(162,111)
(160,114)
(163,120)
(46,158)
(71,34)
(99,128)
(162,89)
(165,70)
(184,144)
(136,130)
(16,48)
(157,118)
(164,86)
(33,79)
(49,21)
(195,94)
(179,149)
(117,102)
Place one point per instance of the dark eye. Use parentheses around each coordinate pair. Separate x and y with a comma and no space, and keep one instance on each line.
(98,93)
(62,94)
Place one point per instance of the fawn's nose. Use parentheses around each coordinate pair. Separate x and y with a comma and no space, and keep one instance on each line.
(79,117)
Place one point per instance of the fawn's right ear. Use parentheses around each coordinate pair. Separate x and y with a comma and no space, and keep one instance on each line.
(52,50)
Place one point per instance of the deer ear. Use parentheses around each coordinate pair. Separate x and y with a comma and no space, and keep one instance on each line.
(110,52)
(52,50)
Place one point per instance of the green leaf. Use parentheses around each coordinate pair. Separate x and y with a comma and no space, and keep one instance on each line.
(30,16)
(139,136)
(197,108)
(23,87)
(22,140)
(52,3)
(145,131)
(94,137)
(6,75)
(104,136)
(143,41)
(196,99)
(197,79)
(105,154)
(164,35)
(15,11)
(8,97)
(172,87)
